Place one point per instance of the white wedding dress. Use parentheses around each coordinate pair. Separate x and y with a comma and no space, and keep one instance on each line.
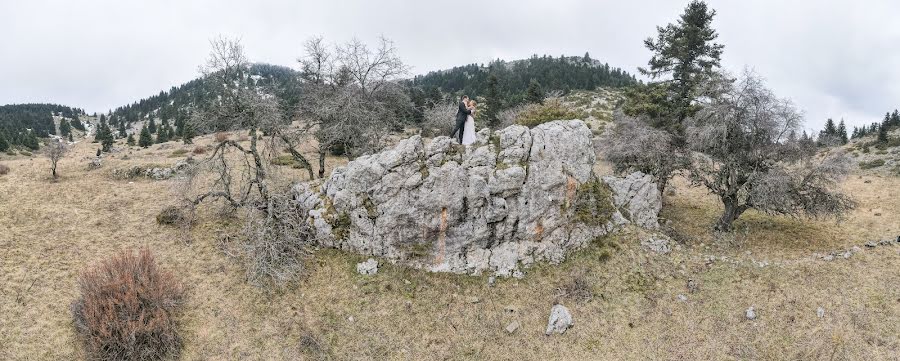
(469,131)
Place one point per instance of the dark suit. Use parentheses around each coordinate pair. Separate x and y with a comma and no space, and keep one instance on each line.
(461,116)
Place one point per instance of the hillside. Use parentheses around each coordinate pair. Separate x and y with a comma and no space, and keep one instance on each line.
(564,73)
(628,302)
(22,124)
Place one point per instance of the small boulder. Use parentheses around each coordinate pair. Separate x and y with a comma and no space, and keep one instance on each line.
(369,267)
(560,320)
(512,327)
(750,313)
(95,163)
(820,312)
(657,244)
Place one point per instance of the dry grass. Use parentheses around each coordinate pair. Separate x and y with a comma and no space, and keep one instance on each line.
(625,305)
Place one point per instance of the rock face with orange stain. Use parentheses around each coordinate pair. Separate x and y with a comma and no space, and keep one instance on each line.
(497,205)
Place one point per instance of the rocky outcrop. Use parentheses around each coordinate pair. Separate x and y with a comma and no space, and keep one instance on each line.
(153,171)
(514,197)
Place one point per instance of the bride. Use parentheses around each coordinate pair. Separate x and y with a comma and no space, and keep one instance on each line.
(469,128)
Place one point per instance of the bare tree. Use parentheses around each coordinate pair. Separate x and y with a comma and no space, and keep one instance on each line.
(439,119)
(351,94)
(56,149)
(244,177)
(742,152)
(633,145)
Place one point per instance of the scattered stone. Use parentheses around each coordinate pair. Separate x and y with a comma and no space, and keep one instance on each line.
(820,312)
(511,309)
(657,244)
(682,298)
(369,267)
(762,264)
(856,249)
(351,319)
(847,254)
(512,327)
(877,214)
(95,163)
(828,258)
(492,280)
(870,244)
(473,299)
(560,320)
(692,286)
(750,313)
(885,242)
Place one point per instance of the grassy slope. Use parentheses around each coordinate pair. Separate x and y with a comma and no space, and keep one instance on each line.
(49,231)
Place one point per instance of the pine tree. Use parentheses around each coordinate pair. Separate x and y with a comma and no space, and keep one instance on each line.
(70,138)
(130,140)
(122,131)
(842,132)
(187,133)
(830,129)
(882,134)
(64,128)
(162,135)
(895,118)
(152,127)
(494,102)
(104,135)
(31,141)
(534,94)
(4,144)
(686,50)
(145,139)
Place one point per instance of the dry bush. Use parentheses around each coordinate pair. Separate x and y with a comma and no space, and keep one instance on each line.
(275,242)
(508,117)
(552,109)
(439,120)
(4,170)
(170,215)
(221,137)
(128,309)
(199,150)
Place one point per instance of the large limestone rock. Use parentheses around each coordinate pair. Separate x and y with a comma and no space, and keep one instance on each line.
(514,197)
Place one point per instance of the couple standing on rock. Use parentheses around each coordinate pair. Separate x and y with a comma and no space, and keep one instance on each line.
(465,121)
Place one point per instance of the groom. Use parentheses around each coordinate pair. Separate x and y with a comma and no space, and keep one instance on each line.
(461,115)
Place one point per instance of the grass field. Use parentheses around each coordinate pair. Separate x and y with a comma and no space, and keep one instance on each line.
(623,298)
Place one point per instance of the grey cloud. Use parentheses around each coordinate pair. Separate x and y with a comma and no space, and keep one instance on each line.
(833,58)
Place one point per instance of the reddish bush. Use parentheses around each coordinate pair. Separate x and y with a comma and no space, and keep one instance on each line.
(128,309)
(199,150)
(4,169)
(221,137)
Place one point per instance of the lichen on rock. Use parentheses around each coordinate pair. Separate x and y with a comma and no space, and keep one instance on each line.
(515,197)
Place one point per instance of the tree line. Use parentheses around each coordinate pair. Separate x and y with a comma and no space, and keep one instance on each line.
(22,124)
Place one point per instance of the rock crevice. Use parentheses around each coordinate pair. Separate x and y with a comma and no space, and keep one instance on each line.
(497,205)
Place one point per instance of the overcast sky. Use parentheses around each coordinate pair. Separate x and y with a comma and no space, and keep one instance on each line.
(837,59)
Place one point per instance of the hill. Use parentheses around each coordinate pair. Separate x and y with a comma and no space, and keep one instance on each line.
(513,78)
(22,124)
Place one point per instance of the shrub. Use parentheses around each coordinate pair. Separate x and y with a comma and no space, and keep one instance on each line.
(593,203)
(552,109)
(4,170)
(275,243)
(25,153)
(128,309)
(178,153)
(199,150)
(221,137)
(169,215)
(873,164)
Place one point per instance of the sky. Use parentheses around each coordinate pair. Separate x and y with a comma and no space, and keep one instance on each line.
(837,59)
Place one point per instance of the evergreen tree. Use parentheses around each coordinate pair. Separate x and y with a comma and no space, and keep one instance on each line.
(882,133)
(494,102)
(130,140)
(895,118)
(70,138)
(842,132)
(830,129)
(145,139)
(122,131)
(187,134)
(4,144)
(152,127)
(687,51)
(162,135)
(64,128)
(31,141)
(105,137)
(534,94)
